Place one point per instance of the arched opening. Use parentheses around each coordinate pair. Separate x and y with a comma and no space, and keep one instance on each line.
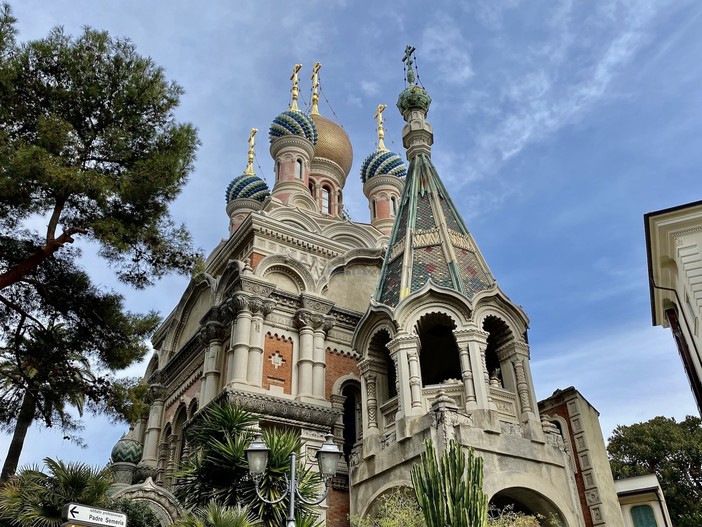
(375,210)
(393,205)
(387,378)
(277,170)
(326,200)
(351,417)
(311,187)
(524,501)
(438,356)
(298,169)
(499,336)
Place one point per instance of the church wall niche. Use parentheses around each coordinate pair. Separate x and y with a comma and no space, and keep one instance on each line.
(438,354)
(277,363)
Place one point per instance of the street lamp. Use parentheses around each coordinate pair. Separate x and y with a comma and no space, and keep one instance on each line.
(327,459)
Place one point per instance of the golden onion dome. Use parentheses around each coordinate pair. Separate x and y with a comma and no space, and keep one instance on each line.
(333,142)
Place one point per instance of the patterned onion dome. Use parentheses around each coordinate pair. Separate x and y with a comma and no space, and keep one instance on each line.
(413,97)
(127,450)
(247,186)
(293,122)
(333,143)
(382,162)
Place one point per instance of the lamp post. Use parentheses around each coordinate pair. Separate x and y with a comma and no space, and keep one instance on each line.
(327,458)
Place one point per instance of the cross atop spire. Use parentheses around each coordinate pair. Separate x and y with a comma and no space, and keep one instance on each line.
(295,87)
(315,87)
(381,132)
(249,166)
(409,51)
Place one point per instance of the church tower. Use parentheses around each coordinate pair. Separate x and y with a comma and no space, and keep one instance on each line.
(383,173)
(444,351)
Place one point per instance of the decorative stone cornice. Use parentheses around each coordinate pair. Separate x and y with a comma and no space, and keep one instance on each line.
(291,143)
(274,408)
(316,303)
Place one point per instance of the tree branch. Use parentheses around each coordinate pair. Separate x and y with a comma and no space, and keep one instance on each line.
(16,272)
(16,307)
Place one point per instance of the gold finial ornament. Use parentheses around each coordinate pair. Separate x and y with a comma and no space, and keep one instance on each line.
(381,132)
(249,166)
(315,87)
(295,89)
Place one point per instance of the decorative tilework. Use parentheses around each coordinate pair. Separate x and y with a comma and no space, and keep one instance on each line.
(382,162)
(425,214)
(474,277)
(293,122)
(392,283)
(451,220)
(429,263)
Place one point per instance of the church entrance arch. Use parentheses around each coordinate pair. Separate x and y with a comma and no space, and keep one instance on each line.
(438,356)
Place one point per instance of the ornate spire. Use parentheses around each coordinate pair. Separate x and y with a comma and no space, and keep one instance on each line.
(315,88)
(381,132)
(295,89)
(249,166)
(429,240)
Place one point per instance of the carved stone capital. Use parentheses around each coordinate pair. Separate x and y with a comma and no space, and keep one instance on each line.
(212,331)
(157,392)
(316,321)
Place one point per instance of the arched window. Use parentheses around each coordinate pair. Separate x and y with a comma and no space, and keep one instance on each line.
(326,200)
(642,516)
(393,205)
(277,170)
(311,187)
(375,210)
(298,169)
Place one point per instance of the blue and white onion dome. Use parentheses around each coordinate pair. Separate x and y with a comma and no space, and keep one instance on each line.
(293,122)
(382,162)
(248,186)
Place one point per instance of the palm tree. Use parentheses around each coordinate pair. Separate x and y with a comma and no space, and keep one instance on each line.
(34,498)
(217,469)
(216,515)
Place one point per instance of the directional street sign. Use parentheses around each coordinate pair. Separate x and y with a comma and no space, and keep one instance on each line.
(76,514)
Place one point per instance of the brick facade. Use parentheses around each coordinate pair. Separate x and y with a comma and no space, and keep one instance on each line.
(277,362)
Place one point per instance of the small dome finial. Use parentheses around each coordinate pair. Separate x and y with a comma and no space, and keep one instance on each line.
(249,166)
(409,51)
(315,87)
(381,132)
(295,89)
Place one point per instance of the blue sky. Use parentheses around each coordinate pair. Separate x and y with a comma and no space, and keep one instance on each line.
(557,125)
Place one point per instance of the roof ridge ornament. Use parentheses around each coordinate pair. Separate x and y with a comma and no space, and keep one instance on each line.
(295,87)
(381,132)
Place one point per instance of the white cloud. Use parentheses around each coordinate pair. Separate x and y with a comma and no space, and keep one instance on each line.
(445,46)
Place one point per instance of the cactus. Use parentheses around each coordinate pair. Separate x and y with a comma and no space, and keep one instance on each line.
(450,490)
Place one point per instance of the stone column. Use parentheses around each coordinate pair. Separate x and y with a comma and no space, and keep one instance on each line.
(415,379)
(398,348)
(238,356)
(477,343)
(153,425)
(463,341)
(370,396)
(318,357)
(212,335)
(305,320)
(260,310)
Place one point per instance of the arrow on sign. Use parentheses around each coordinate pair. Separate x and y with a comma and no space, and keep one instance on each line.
(84,515)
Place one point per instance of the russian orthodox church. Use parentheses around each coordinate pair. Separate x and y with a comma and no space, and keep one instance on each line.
(387,333)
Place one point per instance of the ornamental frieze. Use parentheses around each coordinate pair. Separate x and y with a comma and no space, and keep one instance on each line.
(285,409)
